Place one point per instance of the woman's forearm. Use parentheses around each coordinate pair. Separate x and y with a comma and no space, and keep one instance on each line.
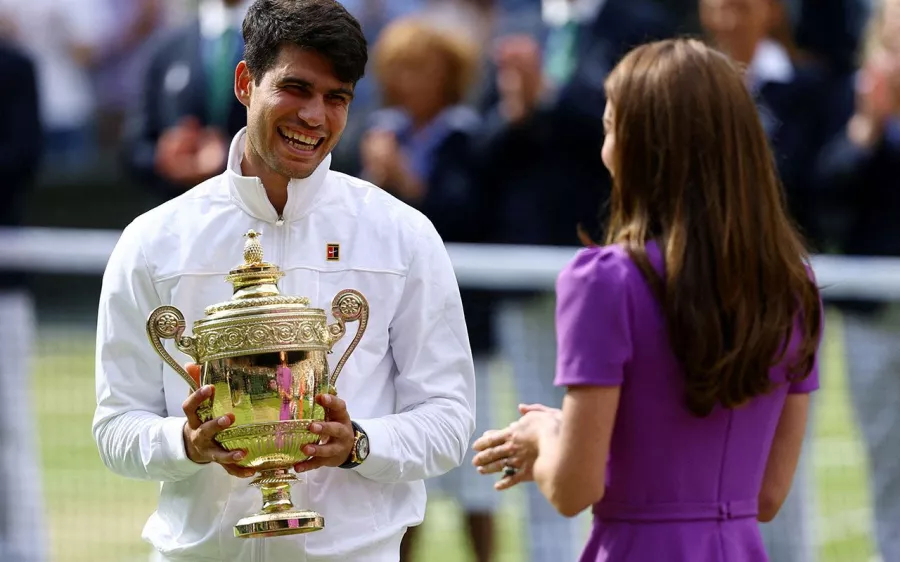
(550,474)
(566,483)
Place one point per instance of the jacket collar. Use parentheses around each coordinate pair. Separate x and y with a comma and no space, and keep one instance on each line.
(250,195)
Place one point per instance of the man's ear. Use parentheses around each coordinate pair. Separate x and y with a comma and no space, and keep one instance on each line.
(243,83)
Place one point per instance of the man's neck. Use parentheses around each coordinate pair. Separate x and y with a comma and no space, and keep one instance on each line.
(275,184)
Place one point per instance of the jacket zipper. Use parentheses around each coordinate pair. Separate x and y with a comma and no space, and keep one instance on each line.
(281,242)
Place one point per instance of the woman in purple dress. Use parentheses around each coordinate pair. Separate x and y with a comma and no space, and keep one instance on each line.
(688,342)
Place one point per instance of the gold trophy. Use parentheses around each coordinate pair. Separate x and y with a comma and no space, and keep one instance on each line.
(265,354)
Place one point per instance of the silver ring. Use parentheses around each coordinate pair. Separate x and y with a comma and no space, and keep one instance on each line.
(509,471)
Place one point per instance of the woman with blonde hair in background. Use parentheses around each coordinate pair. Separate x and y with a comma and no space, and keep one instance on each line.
(419,147)
(688,343)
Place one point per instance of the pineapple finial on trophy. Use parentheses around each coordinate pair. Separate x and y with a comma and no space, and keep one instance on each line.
(253,252)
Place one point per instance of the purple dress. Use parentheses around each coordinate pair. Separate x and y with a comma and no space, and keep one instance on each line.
(679,488)
(285,388)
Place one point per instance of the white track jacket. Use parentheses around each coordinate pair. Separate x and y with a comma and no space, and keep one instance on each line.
(409,384)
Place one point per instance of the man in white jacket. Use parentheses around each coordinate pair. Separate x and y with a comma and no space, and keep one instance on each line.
(409,386)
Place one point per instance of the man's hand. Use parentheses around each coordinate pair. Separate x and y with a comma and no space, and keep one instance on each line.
(212,154)
(520,81)
(188,154)
(378,151)
(176,151)
(337,436)
(387,167)
(199,438)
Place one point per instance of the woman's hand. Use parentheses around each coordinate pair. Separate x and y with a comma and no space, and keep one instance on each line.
(525,408)
(513,450)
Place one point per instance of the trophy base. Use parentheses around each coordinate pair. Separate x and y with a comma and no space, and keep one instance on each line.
(278,516)
(278,524)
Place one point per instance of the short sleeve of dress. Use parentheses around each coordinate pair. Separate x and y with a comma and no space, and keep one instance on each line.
(811,382)
(592,318)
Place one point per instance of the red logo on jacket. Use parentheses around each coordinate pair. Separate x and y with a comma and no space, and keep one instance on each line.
(332,252)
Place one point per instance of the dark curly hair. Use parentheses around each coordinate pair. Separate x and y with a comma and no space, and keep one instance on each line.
(323,26)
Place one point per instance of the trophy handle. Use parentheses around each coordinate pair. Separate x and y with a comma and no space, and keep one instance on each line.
(167,322)
(347,306)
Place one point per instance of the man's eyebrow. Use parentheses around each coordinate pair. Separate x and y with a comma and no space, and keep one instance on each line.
(343,92)
(294,81)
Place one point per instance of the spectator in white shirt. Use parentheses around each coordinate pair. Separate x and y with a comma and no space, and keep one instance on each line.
(62,37)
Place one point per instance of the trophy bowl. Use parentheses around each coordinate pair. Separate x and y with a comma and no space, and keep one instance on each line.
(266,356)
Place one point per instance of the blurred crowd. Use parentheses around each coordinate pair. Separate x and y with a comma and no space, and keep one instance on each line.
(487,116)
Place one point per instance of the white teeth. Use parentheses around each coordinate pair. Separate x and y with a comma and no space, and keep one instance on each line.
(298,137)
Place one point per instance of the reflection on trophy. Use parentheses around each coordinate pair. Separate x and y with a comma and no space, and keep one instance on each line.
(264,353)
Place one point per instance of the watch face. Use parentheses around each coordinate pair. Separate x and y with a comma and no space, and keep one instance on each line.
(362,448)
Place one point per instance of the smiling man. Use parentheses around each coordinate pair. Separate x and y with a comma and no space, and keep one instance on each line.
(406,405)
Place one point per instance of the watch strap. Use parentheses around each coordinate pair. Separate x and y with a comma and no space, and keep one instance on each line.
(353,460)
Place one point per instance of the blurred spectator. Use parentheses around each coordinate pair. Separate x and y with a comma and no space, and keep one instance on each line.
(831,30)
(22,523)
(486,22)
(62,37)
(373,16)
(793,96)
(543,177)
(117,64)
(788,93)
(420,149)
(478,20)
(859,173)
(684,14)
(188,111)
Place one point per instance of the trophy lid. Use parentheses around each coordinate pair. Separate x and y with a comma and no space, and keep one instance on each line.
(255,285)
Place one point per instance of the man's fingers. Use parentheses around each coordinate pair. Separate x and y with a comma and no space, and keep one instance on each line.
(223,457)
(193,401)
(310,464)
(331,429)
(337,408)
(208,430)
(325,451)
(239,471)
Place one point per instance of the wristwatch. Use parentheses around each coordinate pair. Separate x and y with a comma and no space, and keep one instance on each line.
(360,449)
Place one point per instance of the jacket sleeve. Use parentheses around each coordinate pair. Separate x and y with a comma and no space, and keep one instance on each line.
(435,383)
(135,435)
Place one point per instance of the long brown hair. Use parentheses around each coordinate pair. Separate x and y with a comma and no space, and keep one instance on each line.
(693,171)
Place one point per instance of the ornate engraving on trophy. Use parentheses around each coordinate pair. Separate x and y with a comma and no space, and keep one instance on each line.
(266,355)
